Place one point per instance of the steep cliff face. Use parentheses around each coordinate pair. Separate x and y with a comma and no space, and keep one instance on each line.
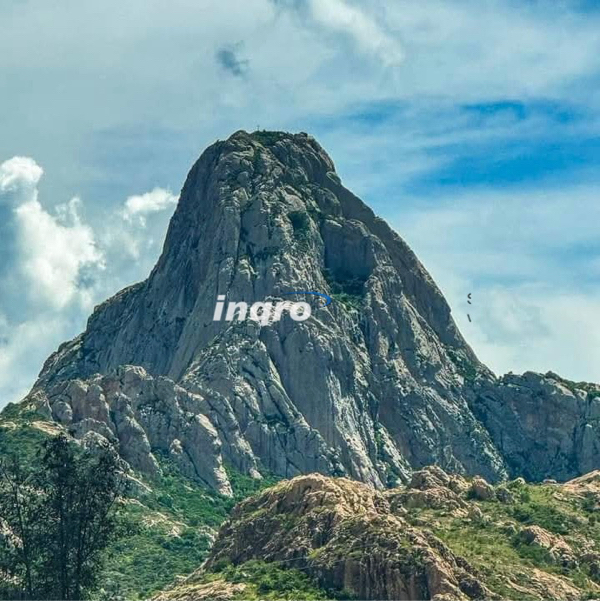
(372,386)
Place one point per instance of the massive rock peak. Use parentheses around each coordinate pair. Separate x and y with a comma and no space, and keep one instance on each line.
(372,386)
(239,229)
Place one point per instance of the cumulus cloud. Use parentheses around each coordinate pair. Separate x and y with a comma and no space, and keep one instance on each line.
(56,266)
(54,251)
(317,65)
(50,250)
(19,174)
(139,206)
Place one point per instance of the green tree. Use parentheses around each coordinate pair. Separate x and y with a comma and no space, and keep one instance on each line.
(57,518)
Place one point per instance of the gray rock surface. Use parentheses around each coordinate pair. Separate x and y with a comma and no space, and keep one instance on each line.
(375,385)
(141,416)
(544,426)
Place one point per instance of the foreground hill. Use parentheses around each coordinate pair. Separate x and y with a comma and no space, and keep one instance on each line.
(441,537)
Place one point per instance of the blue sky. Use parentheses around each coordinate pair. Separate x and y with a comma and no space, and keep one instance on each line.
(472,127)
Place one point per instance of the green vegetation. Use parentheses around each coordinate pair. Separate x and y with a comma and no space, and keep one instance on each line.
(262,580)
(540,505)
(263,255)
(592,390)
(172,520)
(153,555)
(62,513)
(345,288)
(23,430)
(300,222)
(465,367)
(20,439)
(171,526)
(494,545)
(14,411)
(272,581)
(487,534)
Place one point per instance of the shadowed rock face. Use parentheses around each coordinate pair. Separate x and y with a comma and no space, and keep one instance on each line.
(372,386)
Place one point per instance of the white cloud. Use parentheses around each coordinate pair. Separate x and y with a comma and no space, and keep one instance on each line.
(54,254)
(18,178)
(369,35)
(23,349)
(339,58)
(540,328)
(151,202)
(58,267)
(50,250)
(471,50)
(303,69)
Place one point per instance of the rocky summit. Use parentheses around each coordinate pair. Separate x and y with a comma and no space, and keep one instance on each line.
(373,386)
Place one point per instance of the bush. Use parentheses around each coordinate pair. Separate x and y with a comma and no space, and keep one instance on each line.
(274,581)
(538,556)
(345,288)
(545,516)
(267,138)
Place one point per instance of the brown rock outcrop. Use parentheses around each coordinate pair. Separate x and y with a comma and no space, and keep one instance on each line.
(344,534)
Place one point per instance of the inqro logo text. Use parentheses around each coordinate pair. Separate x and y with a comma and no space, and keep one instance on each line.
(266,312)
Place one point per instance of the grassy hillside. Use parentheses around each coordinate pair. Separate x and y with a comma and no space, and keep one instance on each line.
(171,520)
(518,540)
(498,539)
